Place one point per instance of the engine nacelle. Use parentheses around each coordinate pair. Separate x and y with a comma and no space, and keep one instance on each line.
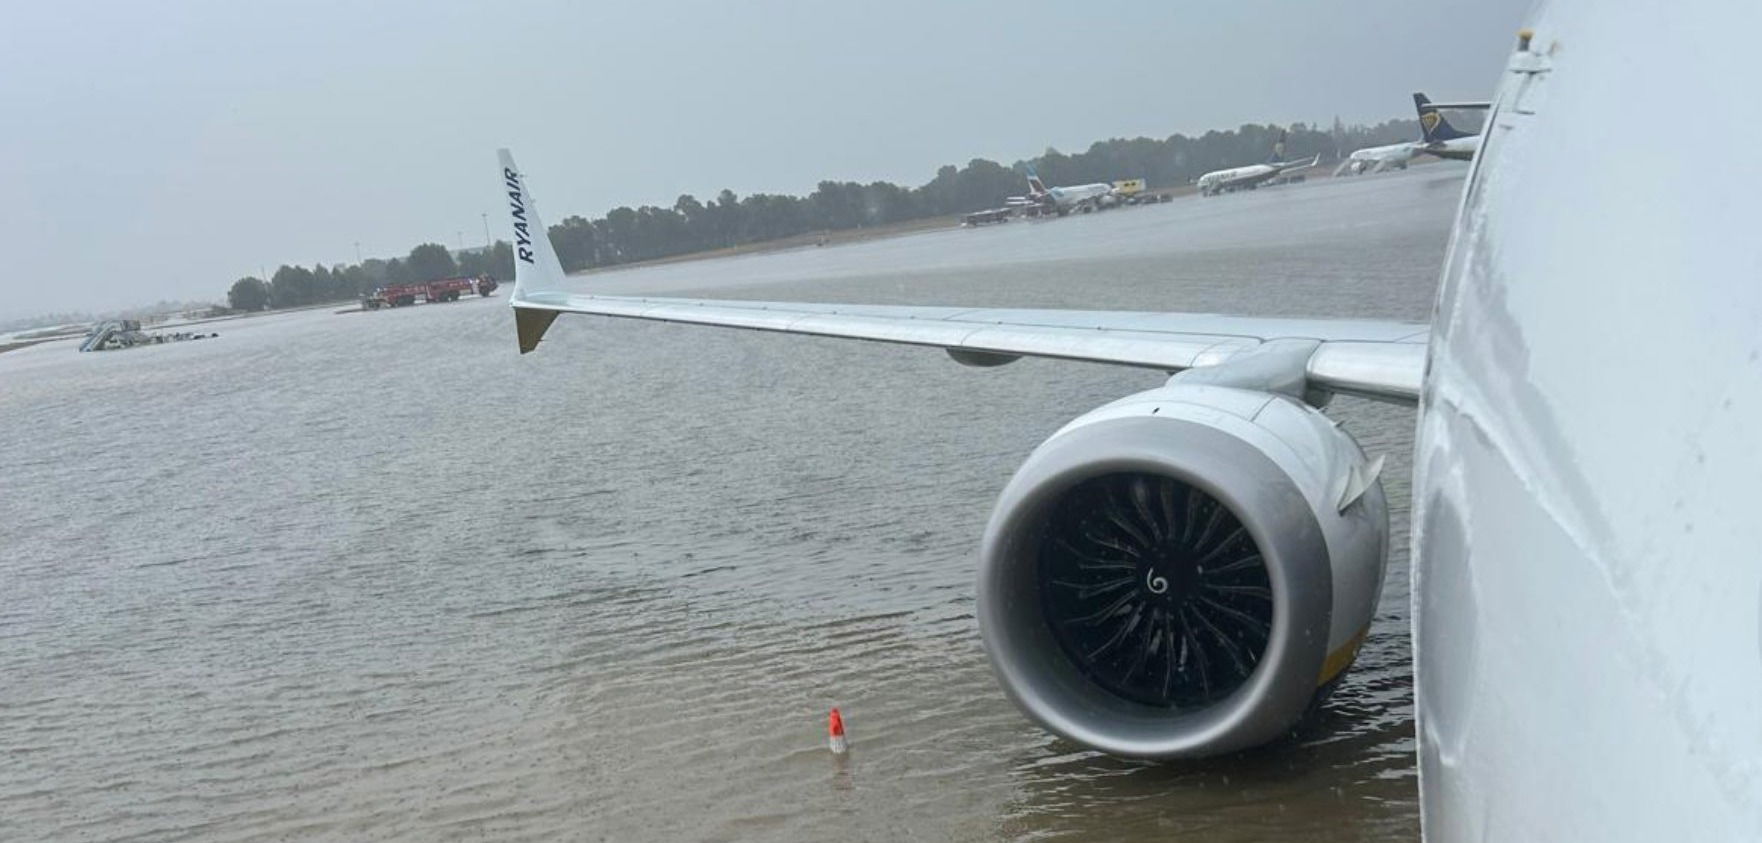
(1183,572)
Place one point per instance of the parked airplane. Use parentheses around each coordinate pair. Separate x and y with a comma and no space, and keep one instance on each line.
(1249,177)
(1376,159)
(1440,138)
(1064,200)
(1187,570)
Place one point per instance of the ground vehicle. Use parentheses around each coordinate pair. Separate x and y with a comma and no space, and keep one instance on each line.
(444,289)
(994,215)
(447,289)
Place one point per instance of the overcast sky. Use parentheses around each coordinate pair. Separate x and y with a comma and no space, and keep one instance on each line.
(162,150)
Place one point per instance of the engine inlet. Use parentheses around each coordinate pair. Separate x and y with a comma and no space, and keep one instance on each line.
(1154,590)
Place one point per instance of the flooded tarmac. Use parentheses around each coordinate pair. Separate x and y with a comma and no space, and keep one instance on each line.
(372,576)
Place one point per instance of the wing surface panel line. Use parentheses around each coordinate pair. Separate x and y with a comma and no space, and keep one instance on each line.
(1381,360)
(1418,332)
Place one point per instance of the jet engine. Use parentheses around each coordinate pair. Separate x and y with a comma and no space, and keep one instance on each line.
(1184,572)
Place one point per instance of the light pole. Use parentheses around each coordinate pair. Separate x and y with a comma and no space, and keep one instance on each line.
(486,240)
(357,252)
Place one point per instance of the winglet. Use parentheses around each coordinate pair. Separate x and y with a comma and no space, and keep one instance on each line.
(535,263)
(530,324)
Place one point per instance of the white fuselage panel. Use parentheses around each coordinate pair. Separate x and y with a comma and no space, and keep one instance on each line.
(1078,194)
(1237,177)
(1382,154)
(1587,583)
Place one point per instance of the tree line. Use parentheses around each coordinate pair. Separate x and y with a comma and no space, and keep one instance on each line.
(628,235)
(294,286)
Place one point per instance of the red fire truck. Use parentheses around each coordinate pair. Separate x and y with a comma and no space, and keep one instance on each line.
(445,289)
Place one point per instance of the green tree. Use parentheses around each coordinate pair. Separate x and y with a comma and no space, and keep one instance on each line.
(625,234)
(248,294)
(430,261)
(291,286)
(397,272)
(836,205)
(724,214)
(331,284)
(358,282)
(501,261)
(497,262)
(574,241)
(697,221)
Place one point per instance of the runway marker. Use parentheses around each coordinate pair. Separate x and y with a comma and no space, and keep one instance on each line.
(835,733)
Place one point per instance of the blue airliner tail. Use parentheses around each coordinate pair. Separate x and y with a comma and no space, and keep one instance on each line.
(1432,123)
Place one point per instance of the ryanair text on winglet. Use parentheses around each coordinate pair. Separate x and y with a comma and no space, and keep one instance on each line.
(522,238)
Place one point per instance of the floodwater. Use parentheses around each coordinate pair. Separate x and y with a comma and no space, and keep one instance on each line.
(373,576)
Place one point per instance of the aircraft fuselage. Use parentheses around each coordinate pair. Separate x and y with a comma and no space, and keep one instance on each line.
(1237,178)
(1455,149)
(1068,197)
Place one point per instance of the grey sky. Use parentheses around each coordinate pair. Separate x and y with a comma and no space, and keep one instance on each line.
(163,150)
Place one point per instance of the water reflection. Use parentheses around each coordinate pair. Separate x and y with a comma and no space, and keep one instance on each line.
(611,589)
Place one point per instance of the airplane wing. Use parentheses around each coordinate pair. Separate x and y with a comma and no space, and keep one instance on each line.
(1383,360)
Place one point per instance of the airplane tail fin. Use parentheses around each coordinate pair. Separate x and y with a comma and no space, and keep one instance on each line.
(535,262)
(1278,153)
(1036,187)
(1432,123)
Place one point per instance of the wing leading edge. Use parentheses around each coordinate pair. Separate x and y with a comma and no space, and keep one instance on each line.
(1383,360)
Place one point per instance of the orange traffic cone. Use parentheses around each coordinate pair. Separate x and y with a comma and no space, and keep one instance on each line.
(835,733)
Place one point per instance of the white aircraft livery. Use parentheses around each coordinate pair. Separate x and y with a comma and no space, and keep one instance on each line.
(1063,200)
(1249,177)
(1376,159)
(1439,139)
(1186,571)
(1442,139)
